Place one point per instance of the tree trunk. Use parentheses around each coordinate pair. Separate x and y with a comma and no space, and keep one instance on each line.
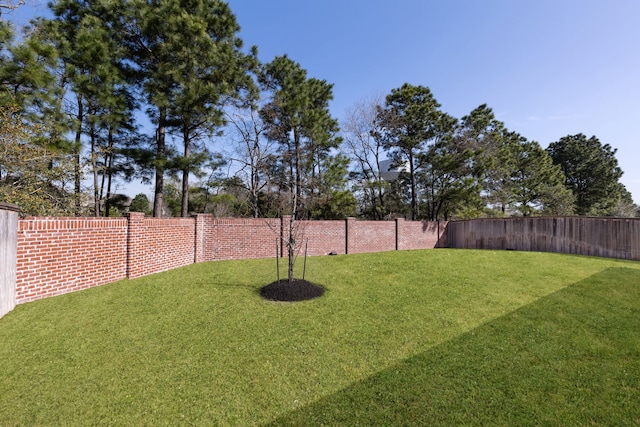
(94,166)
(160,163)
(298,177)
(109,172)
(184,211)
(77,177)
(256,160)
(255,183)
(379,191)
(291,246)
(295,183)
(414,197)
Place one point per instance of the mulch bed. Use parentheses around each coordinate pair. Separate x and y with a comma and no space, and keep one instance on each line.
(298,290)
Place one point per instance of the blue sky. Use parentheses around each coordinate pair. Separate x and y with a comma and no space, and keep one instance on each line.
(547,68)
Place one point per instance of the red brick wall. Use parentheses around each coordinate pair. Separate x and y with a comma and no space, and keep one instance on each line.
(323,237)
(242,238)
(160,244)
(203,235)
(419,234)
(371,236)
(59,255)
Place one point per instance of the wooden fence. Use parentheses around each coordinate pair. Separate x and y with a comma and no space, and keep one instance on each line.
(603,237)
(8,249)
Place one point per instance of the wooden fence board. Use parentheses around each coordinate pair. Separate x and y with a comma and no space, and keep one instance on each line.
(8,235)
(603,237)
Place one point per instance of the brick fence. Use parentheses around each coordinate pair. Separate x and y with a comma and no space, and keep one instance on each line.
(60,255)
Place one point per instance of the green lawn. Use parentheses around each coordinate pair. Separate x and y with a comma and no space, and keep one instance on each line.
(435,337)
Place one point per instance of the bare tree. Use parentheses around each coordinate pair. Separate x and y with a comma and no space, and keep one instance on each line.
(10,5)
(252,151)
(362,146)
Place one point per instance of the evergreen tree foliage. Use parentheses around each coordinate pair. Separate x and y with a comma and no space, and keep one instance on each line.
(32,176)
(447,177)
(189,61)
(91,53)
(28,75)
(34,158)
(297,117)
(539,184)
(591,171)
(410,120)
(140,203)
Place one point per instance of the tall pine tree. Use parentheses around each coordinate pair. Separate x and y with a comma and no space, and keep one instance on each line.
(190,63)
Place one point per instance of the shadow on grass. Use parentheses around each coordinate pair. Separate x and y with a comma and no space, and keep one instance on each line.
(572,358)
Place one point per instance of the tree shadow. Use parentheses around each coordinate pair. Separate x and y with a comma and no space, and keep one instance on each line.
(570,358)
(440,230)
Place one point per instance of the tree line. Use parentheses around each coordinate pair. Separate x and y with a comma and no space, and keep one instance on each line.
(236,137)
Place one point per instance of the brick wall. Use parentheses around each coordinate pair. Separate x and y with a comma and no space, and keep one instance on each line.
(419,234)
(241,238)
(371,236)
(59,255)
(323,237)
(160,244)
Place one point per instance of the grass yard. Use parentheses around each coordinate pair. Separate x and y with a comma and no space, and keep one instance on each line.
(435,337)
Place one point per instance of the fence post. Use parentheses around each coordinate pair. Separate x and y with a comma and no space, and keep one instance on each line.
(203,237)
(8,256)
(398,220)
(135,244)
(348,234)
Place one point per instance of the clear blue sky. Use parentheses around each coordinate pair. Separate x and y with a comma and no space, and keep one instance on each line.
(547,68)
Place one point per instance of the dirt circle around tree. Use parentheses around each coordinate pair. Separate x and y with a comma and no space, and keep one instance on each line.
(298,290)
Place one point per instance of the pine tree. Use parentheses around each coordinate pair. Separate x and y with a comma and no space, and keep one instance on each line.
(592,172)
(190,63)
(410,119)
(91,53)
